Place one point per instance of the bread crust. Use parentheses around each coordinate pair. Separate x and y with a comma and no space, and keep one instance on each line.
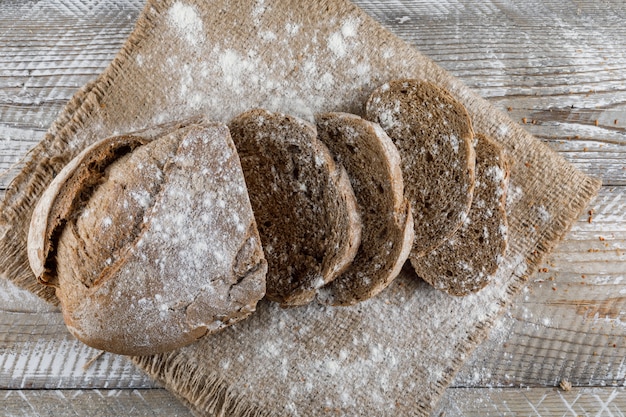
(62,198)
(163,250)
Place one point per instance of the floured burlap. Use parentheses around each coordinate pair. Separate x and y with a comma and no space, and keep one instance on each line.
(392,355)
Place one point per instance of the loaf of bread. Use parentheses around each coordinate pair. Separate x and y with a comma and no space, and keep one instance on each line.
(433,134)
(466,262)
(150,240)
(373,165)
(303,203)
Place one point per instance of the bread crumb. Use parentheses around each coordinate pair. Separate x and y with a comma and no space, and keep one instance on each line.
(524,120)
(565,385)
(595,122)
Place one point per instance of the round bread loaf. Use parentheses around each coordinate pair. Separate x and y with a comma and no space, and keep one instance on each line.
(467,261)
(433,134)
(150,240)
(373,165)
(303,203)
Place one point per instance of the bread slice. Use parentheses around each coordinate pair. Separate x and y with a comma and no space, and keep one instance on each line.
(466,262)
(373,165)
(303,203)
(159,245)
(434,135)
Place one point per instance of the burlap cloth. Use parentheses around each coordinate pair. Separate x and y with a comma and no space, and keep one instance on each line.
(393,355)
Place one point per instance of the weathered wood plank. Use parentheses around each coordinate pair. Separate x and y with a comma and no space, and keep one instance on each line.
(487,402)
(94,403)
(570,322)
(48,50)
(37,352)
(473,402)
(559,65)
(514,54)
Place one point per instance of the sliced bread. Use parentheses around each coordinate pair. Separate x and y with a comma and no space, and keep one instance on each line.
(466,262)
(373,165)
(303,202)
(150,240)
(434,135)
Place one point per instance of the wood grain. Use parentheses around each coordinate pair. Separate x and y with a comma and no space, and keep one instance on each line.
(94,403)
(457,402)
(38,353)
(570,321)
(556,67)
(532,402)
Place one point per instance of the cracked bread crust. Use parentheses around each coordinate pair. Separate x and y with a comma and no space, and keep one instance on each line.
(63,197)
(373,165)
(433,133)
(164,249)
(467,261)
(303,203)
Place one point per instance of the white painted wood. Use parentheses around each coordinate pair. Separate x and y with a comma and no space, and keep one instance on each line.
(38,353)
(533,402)
(456,402)
(93,403)
(558,65)
(570,321)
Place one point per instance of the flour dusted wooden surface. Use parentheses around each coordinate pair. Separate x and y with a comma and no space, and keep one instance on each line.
(560,66)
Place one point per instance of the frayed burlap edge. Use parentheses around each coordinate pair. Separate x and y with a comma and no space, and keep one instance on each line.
(203,394)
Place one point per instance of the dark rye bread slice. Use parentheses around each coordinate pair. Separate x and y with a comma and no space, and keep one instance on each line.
(433,133)
(373,165)
(304,205)
(467,261)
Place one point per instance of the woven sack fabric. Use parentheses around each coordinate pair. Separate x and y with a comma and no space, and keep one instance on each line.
(390,356)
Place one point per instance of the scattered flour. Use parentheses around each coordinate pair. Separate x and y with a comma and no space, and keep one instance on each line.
(337,45)
(454,142)
(337,42)
(13,298)
(292,28)
(187,23)
(514,194)
(543,214)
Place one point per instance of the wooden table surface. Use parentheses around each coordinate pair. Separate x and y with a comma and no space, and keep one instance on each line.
(556,66)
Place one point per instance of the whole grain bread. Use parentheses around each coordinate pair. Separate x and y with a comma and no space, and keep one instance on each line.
(303,203)
(373,165)
(433,133)
(467,261)
(150,240)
